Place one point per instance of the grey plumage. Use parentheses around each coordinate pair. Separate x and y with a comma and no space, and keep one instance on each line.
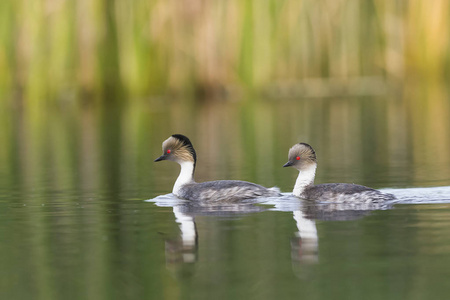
(225,191)
(345,193)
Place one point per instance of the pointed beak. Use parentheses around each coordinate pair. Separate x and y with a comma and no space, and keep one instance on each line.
(288,164)
(162,157)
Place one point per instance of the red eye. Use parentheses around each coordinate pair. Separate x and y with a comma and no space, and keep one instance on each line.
(168,151)
(297,158)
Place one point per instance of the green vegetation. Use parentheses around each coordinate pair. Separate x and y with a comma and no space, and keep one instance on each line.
(53,49)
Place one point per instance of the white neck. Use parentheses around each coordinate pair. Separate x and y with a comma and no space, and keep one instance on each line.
(186,176)
(305,178)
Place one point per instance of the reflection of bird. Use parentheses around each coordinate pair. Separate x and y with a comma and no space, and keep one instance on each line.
(305,246)
(179,149)
(303,158)
(338,211)
(182,253)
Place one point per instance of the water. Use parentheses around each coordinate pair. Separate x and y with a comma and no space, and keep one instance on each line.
(378,255)
(74,223)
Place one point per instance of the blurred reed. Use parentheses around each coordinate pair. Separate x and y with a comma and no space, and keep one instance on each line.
(63,49)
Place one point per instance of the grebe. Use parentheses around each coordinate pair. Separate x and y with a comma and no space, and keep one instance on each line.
(303,158)
(178,148)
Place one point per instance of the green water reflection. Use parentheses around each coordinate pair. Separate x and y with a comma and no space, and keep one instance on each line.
(73,224)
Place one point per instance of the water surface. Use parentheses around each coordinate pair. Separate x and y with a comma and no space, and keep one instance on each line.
(74,223)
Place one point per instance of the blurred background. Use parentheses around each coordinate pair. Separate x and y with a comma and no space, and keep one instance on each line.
(364,82)
(56,50)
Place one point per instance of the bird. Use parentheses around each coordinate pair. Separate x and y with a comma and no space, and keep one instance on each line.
(178,148)
(303,158)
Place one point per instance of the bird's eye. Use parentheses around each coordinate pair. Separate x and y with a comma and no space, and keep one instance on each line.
(297,158)
(168,151)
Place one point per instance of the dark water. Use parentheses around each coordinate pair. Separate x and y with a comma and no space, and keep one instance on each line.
(74,223)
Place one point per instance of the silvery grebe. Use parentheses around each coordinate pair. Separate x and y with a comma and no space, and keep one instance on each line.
(178,148)
(303,158)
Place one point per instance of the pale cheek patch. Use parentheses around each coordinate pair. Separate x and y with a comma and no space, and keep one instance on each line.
(177,149)
(184,155)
